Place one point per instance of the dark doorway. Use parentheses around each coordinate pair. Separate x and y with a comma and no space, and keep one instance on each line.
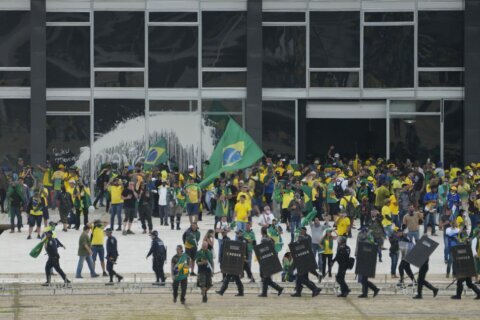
(367,137)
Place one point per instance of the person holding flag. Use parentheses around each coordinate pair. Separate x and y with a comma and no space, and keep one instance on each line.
(51,247)
(180,263)
(156,155)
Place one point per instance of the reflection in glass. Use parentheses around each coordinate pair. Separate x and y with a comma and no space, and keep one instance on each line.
(334,79)
(453,130)
(278,128)
(222,105)
(213,127)
(67,136)
(68,106)
(14,38)
(388,16)
(440,38)
(68,16)
(68,57)
(14,78)
(283,16)
(173,105)
(335,39)
(415,106)
(440,79)
(415,137)
(14,130)
(224,79)
(388,57)
(119,39)
(118,79)
(172,57)
(173,17)
(284,57)
(224,39)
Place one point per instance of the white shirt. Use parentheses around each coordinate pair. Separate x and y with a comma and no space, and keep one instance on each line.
(162,196)
(265,219)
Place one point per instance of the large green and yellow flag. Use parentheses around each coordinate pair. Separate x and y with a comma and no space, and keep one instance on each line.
(235,150)
(156,154)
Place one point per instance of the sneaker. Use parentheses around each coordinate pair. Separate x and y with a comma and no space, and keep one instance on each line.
(263,295)
(67,281)
(219,292)
(124,233)
(418,297)
(178,228)
(363,296)
(316,292)
(296,294)
(95,275)
(280,291)
(240,294)
(455,297)
(375,292)
(193,274)
(130,232)
(78,277)
(342,295)
(118,229)
(46,284)
(435,292)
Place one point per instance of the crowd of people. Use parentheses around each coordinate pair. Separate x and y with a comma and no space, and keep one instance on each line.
(388,202)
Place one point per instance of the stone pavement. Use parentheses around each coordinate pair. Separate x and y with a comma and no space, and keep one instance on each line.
(16,262)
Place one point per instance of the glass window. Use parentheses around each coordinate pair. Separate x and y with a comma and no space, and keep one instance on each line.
(284,57)
(388,16)
(112,115)
(68,57)
(173,17)
(68,16)
(440,79)
(224,39)
(415,106)
(68,106)
(388,57)
(222,105)
(14,78)
(119,39)
(453,130)
(172,57)
(14,130)
(67,138)
(334,79)
(283,16)
(335,39)
(14,38)
(173,105)
(118,79)
(278,128)
(415,137)
(213,127)
(224,79)
(440,38)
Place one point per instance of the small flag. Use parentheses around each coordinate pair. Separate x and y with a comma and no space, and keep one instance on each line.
(156,154)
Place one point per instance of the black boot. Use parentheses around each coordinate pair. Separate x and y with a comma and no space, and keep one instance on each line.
(47,283)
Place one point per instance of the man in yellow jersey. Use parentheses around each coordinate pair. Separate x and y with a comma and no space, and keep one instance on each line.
(387,218)
(97,245)
(116,188)
(193,197)
(343,224)
(58,178)
(35,212)
(287,197)
(48,182)
(242,213)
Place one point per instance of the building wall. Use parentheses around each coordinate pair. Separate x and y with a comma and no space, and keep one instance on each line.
(120,74)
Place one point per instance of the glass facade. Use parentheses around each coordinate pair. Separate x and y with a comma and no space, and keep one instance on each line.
(15,38)
(453,129)
(278,128)
(14,129)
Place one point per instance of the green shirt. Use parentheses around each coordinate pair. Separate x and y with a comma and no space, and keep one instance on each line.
(180,267)
(84,240)
(192,192)
(381,194)
(250,237)
(222,208)
(204,255)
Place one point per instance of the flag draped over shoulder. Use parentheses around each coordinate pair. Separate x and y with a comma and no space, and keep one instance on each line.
(156,154)
(235,150)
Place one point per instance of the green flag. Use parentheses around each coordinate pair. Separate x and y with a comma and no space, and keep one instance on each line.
(235,150)
(156,154)
(307,198)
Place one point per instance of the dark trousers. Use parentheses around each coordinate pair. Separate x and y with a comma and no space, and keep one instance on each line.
(302,280)
(158,269)
(111,272)
(100,196)
(340,277)
(246,268)
(326,257)
(145,213)
(226,281)
(469,284)
(15,212)
(266,282)
(77,218)
(183,288)
(403,268)
(172,220)
(162,211)
(422,273)
(55,264)
(367,285)
(3,195)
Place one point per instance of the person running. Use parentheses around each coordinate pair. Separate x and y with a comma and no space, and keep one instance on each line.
(51,247)
(112,256)
(159,255)
(267,281)
(205,270)
(179,264)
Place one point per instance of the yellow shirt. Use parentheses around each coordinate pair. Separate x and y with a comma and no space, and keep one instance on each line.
(116,194)
(386,213)
(394,205)
(47,179)
(345,200)
(248,198)
(342,226)
(326,249)
(287,198)
(97,236)
(242,211)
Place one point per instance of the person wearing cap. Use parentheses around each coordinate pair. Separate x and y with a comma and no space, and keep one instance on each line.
(159,255)
(342,258)
(179,264)
(112,256)
(51,247)
(205,270)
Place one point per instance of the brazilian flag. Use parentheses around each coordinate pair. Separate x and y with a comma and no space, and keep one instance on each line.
(236,150)
(156,154)
(307,198)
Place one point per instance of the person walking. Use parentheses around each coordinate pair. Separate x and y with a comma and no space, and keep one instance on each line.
(115,188)
(51,247)
(85,254)
(159,255)
(342,258)
(16,201)
(267,281)
(112,256)
(190,238)
(205,270)
(179,264)
(422,273)
(97,238)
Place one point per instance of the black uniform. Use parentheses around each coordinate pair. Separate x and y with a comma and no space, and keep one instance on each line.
(470,285)
(342,257)
(159,253)
(246,266)
(302,279)
(51,246)
(227,278)
(145,207)
(267,281)
(112,255)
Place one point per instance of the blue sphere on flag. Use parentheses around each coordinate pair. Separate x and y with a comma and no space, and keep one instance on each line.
(152,155)
(231,156)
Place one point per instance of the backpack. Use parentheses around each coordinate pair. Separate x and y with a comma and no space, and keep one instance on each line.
(259,188)
(337,189)
(351,263)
